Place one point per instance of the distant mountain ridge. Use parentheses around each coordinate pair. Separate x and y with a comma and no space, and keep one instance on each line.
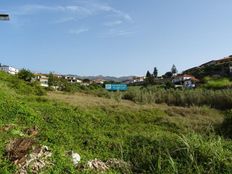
(107,78)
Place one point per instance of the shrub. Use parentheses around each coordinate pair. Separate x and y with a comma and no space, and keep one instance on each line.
(217,83)
(25,75)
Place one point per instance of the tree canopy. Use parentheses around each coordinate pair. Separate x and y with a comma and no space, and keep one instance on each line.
(26,75)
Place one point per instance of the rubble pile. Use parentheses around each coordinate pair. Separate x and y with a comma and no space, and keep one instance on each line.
(28,156)
(113,163)
(97,165)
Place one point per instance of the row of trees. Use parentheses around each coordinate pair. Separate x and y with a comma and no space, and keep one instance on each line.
(150,77)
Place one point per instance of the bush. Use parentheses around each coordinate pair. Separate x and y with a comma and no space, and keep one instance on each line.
(217,83)
(130,95)
(25,75)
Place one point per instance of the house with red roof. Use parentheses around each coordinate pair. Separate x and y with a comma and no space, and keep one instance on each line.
(185,81)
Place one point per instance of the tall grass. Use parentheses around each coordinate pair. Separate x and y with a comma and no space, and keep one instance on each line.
(189,153)
(219,99)
(225,128)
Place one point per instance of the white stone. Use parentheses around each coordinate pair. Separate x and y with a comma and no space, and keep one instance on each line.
(76,158)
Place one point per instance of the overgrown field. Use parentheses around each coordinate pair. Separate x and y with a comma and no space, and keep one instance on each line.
(149,138)
(219,99)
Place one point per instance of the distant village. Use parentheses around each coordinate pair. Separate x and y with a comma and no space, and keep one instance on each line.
(43,78)
(183,80)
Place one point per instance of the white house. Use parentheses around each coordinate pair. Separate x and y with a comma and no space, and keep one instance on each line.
(9,69)
(42,79)
(185,80)
(135,80)
(72,79)
(138,79)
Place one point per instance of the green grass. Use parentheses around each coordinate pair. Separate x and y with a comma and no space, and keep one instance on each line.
(152,138)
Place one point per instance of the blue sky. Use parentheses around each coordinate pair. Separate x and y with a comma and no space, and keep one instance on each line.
(114,37)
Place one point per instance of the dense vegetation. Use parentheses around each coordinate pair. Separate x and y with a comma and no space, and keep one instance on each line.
(220,99)
(151,138)
(217,83)
(221,69)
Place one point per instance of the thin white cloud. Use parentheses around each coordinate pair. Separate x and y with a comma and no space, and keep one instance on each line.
(81,10)
(116,33)
(113,23)
(64,20)
(36,8)
(115,12)
(78,31)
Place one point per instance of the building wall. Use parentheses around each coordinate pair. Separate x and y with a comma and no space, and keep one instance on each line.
(9,70)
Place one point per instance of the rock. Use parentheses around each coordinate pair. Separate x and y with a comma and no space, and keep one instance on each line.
(76,158)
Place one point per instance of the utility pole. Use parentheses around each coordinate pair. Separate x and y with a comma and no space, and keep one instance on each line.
(4,17)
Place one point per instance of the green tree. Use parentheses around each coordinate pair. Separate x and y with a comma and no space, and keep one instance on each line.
(26,75)
(148,75)
(53,80)
(155,72)
(168,74)
(149,78)
(174,69)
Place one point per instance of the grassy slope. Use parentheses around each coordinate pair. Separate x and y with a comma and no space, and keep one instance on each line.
(153,138)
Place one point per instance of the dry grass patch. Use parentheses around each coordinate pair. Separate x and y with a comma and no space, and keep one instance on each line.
(199,119)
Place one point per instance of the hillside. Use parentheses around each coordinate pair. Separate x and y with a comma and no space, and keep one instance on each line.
(221,67)
(124,136)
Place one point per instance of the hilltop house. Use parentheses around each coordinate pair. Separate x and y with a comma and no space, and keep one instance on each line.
(99,81)
(72,79)
(135,80)
(42,79)
(138,79)
(9,69)
(185,80)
